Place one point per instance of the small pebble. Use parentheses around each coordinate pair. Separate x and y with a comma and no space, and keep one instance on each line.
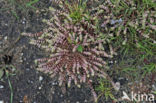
(85,101)
(23,22)
(39,88)
(21,61)
(27,69)
(21,101)
(5,38)
(1,101)
(21,54)
(117,85)
(61,95)
(25,59)
(40,78)
(77,102)
(53,92)
(29,81)
(54,83)
(115,61)
(111,62)
(1,86)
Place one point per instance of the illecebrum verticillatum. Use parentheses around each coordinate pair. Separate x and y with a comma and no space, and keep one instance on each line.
(76,52)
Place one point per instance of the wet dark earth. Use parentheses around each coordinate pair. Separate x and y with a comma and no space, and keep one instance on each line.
(29,85)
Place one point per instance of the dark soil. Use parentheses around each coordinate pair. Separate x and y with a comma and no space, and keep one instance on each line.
(29,85)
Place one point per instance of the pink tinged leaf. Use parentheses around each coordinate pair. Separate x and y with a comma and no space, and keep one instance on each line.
(52,59)
(75,29)
(92,38)
(75,48)
(58,24)
(46,67)
(70,36)
(57,54)
(78,66)
(69,81)
(60,82)
(84,78)
(56,69)
(84,65)
(85,61)
(85,44)
(95,68)
(98,41)
(97,63)
(42,65)
(65,66)
(102,74)
(87,53)
(60,79)
(68,72)
(80,37)
(53,75)
(125,31)
(74,67)
(111,50)
(72,76)
(68,17)
(77,39)
(100,59)
(85,38)
(94,95)
(56,65)
(95,51)
(75,81)
(92,71)
(92,90)
(86,70)
(105,54)
(58,61)
(61,69)
(68,27)
(81,79)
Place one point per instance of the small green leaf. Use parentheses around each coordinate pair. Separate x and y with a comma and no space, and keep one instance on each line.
(80,48)
(69,40)
(31,2)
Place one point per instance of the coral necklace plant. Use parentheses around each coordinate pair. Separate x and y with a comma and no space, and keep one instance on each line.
(76,53)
